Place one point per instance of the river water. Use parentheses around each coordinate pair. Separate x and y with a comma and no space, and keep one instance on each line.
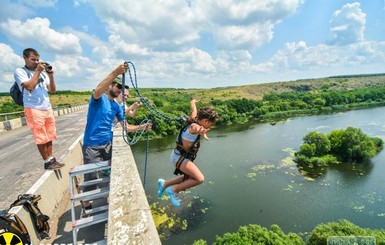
(250,179)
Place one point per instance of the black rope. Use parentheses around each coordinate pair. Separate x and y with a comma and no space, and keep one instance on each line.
(145,102)
(138,133)
(146,160)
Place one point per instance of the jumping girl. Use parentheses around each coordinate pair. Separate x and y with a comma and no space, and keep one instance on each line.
(187,145)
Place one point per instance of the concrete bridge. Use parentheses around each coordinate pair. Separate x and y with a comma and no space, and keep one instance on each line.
(129,215)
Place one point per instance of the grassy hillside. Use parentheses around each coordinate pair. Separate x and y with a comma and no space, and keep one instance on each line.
(257,91)
(254,91)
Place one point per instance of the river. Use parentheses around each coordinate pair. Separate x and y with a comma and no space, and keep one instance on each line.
(250,179)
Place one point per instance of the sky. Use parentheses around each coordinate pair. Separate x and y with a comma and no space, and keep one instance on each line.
(193,43)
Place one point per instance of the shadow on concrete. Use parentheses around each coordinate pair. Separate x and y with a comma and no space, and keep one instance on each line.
(95,234)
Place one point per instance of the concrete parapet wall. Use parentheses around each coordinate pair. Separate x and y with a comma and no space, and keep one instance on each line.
(20,122)
(129,219)
(52,186)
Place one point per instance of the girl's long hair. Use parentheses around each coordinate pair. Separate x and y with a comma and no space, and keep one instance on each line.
(204,113)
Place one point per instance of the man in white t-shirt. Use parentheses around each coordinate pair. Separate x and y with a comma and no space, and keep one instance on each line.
(36,79)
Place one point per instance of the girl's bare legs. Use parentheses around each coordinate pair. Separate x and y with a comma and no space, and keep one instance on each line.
(173,181)
(195,177)
(175,185)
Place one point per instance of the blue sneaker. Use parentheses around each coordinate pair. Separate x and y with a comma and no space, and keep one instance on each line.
(160,187)
(174,200)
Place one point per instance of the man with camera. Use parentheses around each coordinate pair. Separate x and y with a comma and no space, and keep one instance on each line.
(36,80)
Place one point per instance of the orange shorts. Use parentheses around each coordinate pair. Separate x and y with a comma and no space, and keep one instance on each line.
(42,125)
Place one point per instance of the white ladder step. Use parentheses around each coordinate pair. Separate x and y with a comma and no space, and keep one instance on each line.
(96,210)
(91,220)
(89,168)
(91,195)
(101,180)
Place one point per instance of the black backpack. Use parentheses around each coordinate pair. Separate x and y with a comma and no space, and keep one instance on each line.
(13,229)
(40,220)
(15,92)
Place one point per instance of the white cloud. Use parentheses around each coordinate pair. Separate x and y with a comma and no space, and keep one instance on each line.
(38,31)
(173,25)
(9,61)
(244,24)
(163,41)
(166,25)
(348,24)
(326,60)
(195,43)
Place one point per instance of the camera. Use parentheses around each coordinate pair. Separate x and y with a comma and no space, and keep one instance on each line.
(47,66)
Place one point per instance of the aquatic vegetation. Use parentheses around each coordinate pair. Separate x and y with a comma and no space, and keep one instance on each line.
(309,179)
(251,175)
(170,221)
(288,188)
(288,162)
(370,197)
(262,167)
(357,207)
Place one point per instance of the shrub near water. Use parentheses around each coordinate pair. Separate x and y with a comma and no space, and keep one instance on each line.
(256,234)
(342,228)
(350,145)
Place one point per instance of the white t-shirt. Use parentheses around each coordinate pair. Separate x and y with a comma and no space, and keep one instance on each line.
(38,98)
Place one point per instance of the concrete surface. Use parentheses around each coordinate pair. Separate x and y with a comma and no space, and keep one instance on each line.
(130,220)
(21,164)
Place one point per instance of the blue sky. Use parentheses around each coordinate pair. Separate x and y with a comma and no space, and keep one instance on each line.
(194,43)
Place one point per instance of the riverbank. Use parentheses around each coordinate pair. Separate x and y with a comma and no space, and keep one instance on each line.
(249,167)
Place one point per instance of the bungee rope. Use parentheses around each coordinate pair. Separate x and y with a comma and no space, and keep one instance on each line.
(138,133)
(156,113)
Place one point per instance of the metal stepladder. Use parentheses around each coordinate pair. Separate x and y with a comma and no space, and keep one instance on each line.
(96,214)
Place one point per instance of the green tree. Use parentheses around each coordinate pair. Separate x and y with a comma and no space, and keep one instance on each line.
(307,150)
(255,234)
(341,228)
(319,141)
(350,145)
(335,138)
(356,146)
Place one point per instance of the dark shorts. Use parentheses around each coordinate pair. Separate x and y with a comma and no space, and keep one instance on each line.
(95,154)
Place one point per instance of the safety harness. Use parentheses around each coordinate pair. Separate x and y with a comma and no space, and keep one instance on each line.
(40,220)
(190,153)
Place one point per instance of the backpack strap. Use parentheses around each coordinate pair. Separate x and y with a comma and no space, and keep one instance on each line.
(40,220)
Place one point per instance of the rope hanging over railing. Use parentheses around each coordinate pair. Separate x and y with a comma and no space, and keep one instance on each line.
(138,133)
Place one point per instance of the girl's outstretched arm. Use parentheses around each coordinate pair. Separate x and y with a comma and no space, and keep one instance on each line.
(194,110)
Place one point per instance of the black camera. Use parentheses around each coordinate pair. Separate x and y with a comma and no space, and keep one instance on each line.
(47,66)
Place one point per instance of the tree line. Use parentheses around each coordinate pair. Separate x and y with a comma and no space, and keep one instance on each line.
(272,108)
(348,233)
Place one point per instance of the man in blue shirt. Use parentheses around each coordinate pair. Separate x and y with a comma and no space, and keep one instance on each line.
(97,142)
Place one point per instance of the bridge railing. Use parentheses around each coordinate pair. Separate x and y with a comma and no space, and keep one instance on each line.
(13,120)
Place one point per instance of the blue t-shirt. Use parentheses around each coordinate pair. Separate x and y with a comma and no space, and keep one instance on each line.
(101,114)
